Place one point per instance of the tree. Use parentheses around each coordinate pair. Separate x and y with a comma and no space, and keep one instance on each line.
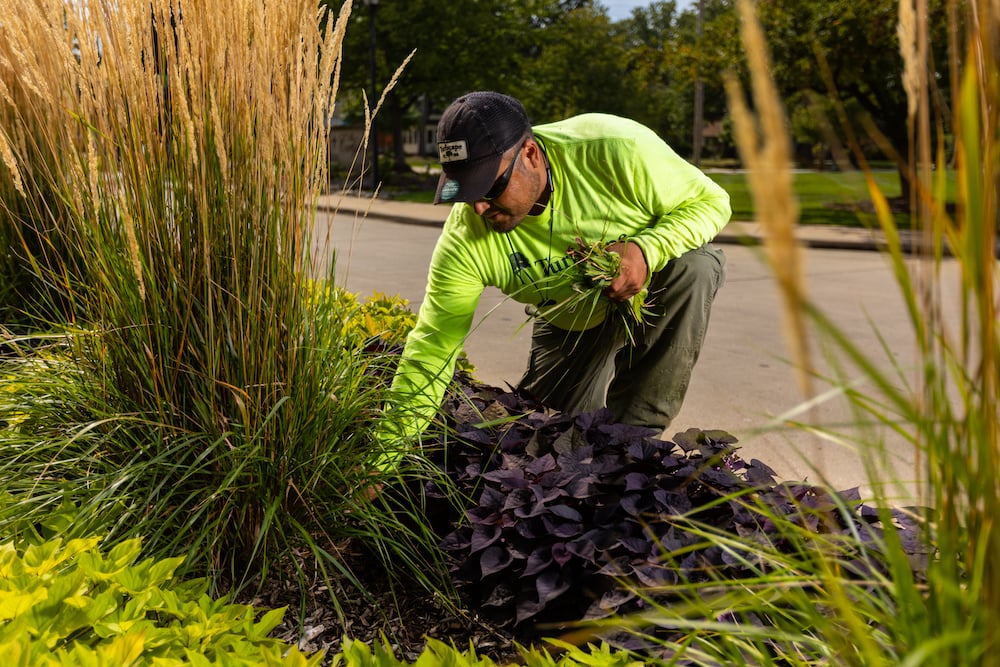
(666,56)
(460,45)
(574,66)
(853,47)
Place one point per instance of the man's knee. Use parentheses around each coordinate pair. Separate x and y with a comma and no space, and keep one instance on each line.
(702,270)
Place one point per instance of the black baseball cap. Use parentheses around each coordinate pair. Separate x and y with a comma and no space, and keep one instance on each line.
(473,134)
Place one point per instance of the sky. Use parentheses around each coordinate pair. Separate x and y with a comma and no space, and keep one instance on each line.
(622,9)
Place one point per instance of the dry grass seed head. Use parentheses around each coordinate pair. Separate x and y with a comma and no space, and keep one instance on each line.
(7,155)
(765,147)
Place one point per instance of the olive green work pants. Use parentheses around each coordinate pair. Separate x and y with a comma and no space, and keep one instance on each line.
(643,384)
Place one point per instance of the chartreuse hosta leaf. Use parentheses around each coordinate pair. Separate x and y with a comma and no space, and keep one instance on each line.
(68,603)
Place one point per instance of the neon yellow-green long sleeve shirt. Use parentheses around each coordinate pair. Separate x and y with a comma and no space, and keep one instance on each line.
(611,178)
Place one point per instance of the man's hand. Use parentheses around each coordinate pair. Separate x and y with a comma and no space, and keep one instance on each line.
(634,271)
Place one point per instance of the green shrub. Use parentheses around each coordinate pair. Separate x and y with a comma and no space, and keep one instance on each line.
(67,603)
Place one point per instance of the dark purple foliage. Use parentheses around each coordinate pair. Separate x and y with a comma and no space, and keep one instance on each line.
(567,507)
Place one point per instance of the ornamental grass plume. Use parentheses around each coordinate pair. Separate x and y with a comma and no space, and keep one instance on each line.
(171,155)
(765,148)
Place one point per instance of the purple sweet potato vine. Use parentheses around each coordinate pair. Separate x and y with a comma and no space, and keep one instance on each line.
(572,514)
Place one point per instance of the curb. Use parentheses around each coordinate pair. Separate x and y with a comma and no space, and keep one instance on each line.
(735,233)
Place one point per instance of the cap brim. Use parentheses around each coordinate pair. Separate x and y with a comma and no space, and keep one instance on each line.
(468,184)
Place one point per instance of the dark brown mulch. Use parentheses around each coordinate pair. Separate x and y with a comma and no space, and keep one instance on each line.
(405,614)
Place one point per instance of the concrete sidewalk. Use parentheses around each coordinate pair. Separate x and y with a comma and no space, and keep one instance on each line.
(736,232)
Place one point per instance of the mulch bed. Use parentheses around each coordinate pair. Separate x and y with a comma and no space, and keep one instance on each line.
(405,615)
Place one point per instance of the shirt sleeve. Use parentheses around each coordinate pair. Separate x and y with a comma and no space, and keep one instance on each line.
(427,365)
(687,207)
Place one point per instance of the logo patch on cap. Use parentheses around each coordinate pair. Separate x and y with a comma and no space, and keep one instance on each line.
(453,151)
(450,190)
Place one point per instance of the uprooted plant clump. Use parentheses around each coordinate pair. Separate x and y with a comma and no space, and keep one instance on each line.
(579,517)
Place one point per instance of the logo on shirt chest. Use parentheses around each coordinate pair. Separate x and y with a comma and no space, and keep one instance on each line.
(546,266)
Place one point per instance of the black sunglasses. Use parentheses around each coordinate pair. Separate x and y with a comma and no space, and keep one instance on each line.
(504,180)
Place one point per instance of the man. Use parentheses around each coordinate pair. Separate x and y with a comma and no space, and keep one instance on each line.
(522,196)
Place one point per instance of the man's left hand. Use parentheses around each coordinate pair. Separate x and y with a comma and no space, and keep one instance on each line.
(632,276)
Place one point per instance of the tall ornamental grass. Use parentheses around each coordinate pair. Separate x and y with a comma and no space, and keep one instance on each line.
(921,585)
(161,167)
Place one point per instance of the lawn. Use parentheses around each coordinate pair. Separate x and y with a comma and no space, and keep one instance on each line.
(825,197)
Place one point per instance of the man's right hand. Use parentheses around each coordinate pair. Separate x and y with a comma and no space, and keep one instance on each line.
(632,275)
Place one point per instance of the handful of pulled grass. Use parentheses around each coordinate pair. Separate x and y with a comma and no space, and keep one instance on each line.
(594,268)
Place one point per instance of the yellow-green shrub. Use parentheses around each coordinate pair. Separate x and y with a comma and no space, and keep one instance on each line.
(68,603)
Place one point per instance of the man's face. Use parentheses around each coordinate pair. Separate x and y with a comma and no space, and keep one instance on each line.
(507,204)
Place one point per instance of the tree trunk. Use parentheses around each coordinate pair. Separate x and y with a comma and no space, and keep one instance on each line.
(698,137)
(399,163)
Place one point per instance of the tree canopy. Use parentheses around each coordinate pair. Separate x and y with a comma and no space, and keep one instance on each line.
(563,57)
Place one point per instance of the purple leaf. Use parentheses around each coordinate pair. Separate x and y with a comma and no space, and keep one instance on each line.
(557,479)
(547,494)
(565,512)
(669,542)
(721,478)
(634,504)
(673,502)
(534,446)
(456,540)
(584,550)
(687,440)
(529,510)
(637,546)
(510,478)
(655,575)
(541,466)
(493,560)
(636,481)
(849,496)
(517,498)
(561,554)
(526,609)
(621,434)
(568,441)
(606,465)
(492,499)
(643,450)
(483,536)
(530,530)
(478,516)
(539,559)
(550,585)
(578,459)
(475,436)
(581,487)
(614,599)
(562,529)
(586,421)
(619,567)
(600,538)
(760,474)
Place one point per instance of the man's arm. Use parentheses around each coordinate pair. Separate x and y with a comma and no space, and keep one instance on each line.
(688,208)
(428,361)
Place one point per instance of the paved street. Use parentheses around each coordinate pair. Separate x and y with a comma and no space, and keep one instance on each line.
(743,382)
